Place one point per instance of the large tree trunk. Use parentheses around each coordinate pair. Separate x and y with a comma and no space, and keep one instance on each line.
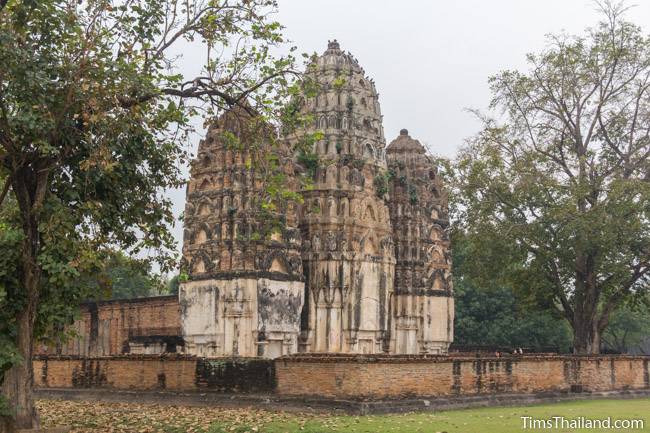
(586,333)
(586,338)
(18,381)
(17,387)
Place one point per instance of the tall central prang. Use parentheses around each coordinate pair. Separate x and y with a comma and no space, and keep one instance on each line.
(347,246)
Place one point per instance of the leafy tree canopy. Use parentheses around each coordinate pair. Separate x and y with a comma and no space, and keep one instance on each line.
(124,277)
(94,121)
(554,192)
(494,317)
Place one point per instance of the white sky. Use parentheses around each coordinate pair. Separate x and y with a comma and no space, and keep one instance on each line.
(431,59)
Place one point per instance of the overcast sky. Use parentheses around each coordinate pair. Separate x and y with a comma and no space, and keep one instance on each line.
(431,59)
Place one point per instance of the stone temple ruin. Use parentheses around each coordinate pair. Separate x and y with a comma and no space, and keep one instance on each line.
(360,266)
(363,266)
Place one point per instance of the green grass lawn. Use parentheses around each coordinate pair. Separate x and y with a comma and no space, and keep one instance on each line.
(484,420)
(99,417)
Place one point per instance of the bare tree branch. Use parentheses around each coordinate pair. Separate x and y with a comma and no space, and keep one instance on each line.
(5,189)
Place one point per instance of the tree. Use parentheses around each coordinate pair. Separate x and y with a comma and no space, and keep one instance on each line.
(554,194)
(123,277)
(93,121)
(628,330)
(173,285)
(494,316)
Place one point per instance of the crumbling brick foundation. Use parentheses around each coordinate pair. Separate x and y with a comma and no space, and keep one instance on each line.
(390,377)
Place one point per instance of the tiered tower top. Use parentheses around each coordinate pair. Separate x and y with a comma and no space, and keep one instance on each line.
(346,107)
(405,144)
(227,234)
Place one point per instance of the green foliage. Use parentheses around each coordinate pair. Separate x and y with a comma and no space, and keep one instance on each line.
(271,222)
(279,192)
(346,159)
(230,141)
(309,161)
(61,290)
(413,194)
(123,277)
(629,330)
(555,196)
(173,285)
(291,116)
(494,316)
(350,103)
(382,182)
(339,82)
(94,122)
(10,241)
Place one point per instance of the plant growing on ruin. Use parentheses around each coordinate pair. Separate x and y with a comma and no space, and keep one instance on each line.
(554,196)
(339,82)
(381,182)
(307,158)
(309,161)
(413,194)
(94,118)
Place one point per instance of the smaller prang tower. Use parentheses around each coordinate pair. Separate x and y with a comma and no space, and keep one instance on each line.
(245,290)
(424,303)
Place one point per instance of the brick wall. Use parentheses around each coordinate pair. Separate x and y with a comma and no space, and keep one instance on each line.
(349,376)
(377,377)
(150,372)
(105,328)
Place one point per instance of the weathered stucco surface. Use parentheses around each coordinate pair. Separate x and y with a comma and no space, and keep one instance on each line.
(374,227)
(241,317)
(347,240)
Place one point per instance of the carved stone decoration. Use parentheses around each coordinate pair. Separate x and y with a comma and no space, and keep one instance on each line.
(240,277)
(424,309)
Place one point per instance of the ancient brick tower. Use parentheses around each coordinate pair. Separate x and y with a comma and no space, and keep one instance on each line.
(424,303)
(245,291)
(347,246)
